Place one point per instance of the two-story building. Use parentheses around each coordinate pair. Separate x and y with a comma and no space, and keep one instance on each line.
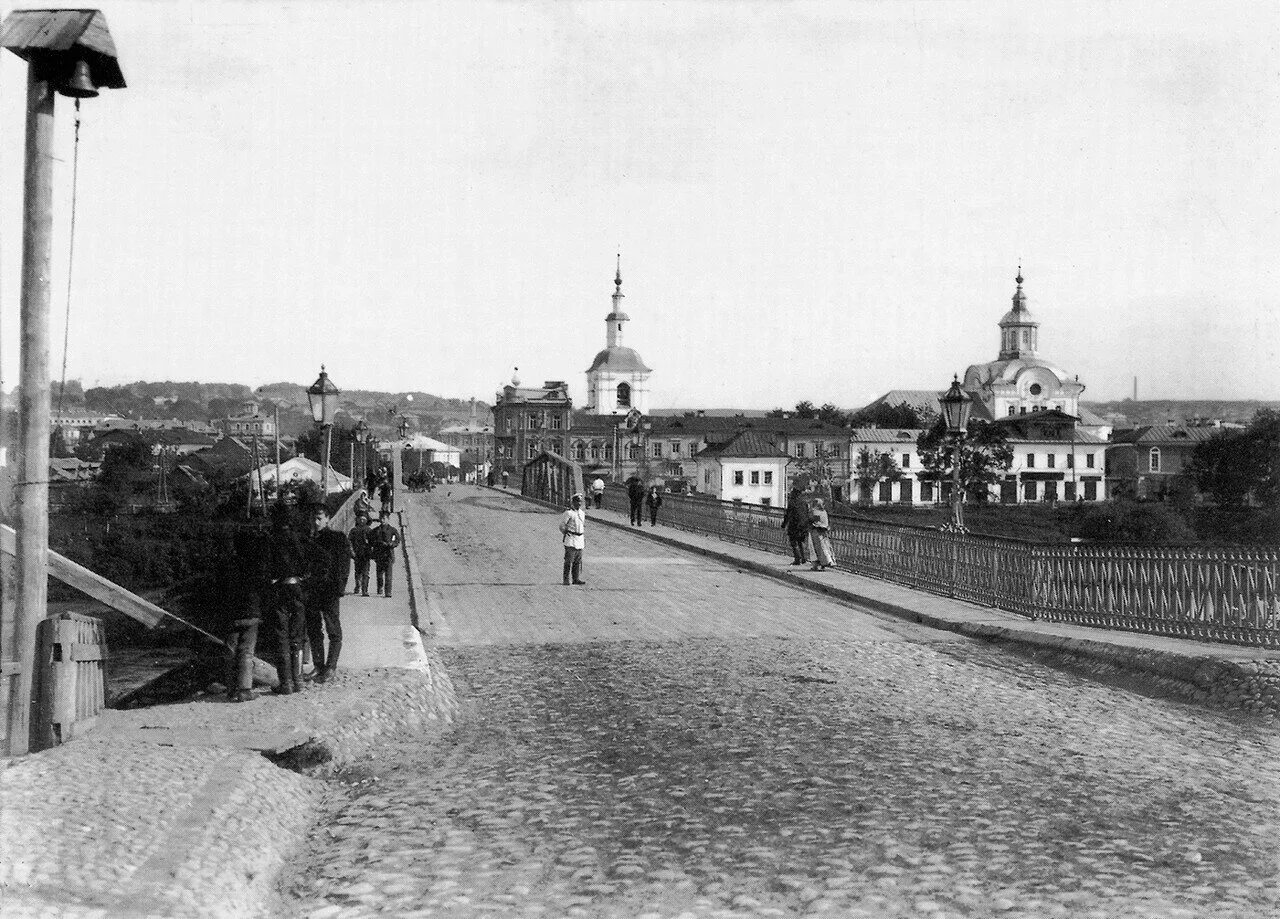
(1153,461)
(528,420)
(249,421)
(748,468)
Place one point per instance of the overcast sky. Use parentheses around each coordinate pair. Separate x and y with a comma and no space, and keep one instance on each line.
(812,201)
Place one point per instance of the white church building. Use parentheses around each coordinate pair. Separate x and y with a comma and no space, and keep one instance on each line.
(617,380)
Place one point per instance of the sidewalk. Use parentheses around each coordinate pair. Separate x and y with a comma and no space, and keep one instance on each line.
(178,810)
(1225,675)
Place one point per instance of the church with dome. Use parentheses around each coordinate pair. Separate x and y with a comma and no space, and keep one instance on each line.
(617,380)
(1019,381)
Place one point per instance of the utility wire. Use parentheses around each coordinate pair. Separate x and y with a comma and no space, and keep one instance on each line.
(71,255)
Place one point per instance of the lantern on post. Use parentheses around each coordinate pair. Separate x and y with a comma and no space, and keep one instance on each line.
(361,436)
(69,52)
(956,406)
(323,396)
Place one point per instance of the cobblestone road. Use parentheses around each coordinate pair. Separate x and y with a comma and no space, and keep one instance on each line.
(769,753)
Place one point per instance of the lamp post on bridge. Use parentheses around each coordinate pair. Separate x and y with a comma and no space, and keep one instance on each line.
(955,411)
(360,434)
(323,396)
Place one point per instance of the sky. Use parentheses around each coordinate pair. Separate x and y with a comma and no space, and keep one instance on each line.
(811,201)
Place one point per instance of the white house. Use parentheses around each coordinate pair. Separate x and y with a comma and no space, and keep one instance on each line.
(748,467)
(297,469)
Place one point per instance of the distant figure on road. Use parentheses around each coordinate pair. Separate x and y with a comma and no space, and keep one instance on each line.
(286,568)
(363,506)
(795,520)
(385,540)
(653,501)
(635,494)
(505,475)
(597,491)
(823,557)
(384,495)
(330,557)
(573,529)
(361,539)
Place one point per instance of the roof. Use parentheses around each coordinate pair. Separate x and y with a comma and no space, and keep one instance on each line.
(922,400)
(624,360)
(744,444)
(1166,434)
(885,435)
(28,32)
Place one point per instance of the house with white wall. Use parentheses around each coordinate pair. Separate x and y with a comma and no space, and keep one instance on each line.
(747,467)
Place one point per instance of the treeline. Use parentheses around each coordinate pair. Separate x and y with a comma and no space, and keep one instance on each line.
(902,415)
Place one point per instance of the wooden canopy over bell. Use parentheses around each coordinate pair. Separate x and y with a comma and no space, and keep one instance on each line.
(61,38)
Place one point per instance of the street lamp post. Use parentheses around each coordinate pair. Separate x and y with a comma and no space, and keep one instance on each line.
(323,396)
(955,411)
(361,436)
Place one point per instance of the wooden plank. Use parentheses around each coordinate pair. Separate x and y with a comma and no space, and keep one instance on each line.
(94,585)
(83,652)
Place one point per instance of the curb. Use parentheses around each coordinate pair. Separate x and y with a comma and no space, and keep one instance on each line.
(1250,686)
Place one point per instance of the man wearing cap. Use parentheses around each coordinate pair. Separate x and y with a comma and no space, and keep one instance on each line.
(573,528)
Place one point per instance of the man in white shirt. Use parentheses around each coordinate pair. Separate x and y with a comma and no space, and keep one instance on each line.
(597,491)
(572,527)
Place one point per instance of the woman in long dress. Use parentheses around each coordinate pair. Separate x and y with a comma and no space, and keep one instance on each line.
(823,557)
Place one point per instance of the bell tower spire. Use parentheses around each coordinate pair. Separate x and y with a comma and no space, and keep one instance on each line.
(614,321)
(1019,331)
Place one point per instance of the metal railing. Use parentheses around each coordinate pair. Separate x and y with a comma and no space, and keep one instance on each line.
(1212,594)
(551,478)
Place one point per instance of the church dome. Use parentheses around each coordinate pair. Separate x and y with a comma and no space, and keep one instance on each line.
(619,360)
(1007,371)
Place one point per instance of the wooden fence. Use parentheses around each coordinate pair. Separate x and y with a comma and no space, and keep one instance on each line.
(1211,594)
(71,657)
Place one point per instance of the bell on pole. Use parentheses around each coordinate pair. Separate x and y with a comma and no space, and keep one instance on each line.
(79,85)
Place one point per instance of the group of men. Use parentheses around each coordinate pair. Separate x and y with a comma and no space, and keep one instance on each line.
(295,582)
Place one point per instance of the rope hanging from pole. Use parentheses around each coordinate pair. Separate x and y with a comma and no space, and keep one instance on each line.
(71,254)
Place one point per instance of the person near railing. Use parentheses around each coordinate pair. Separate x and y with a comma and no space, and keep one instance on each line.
(573,525)
(597,491)
(385,540)
(361,539)
(653,501)
(250,589)
(819,524)
(330,562)
(635,496)
(286,569)
(795,520)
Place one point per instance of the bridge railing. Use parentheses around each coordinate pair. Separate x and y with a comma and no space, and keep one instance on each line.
(1211,594)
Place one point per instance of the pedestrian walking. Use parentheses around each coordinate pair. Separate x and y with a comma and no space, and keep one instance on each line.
(597,491)
(573,532)
(363,507)
(330,566)
(635,495)
(249,585)
(385,495)
(286,569)
(795,520)
(385,540)
(505,476)
(653,501)
(823,557)
(361,539)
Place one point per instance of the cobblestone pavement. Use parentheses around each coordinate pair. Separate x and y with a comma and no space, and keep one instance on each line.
(881,772)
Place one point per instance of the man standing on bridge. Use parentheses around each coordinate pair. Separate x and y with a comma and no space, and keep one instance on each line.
(330,566)
(573,527)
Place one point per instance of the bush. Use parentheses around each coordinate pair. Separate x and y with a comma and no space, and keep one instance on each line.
(1135,522)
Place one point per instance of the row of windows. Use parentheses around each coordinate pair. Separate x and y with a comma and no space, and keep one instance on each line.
(906,491)
(1051,460)
(755,477)
(817,449)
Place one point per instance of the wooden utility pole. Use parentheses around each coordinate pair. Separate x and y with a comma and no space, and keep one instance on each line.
(33,407)
(277,407)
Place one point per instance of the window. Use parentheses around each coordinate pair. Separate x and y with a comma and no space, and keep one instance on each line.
(608,452)
(1088,460)
(766,502)
(531,450)
(926,491)
(817,449)
(1051,460)
(1069,490)
(1091,490)
(1154,459)
(624,395)
(675,448)
(1029,491)
(1071,461)
(1013,409)
(904,491)
(579,451)
(1051,491)
(633,451)
(906,461)
(1031,461)
(556,421)
(706,477)
(1022,409)
(737,477)
(886,492)
(768,478)
(595,451)
(1035,389)
(657,451)
(800,451)
(755,477)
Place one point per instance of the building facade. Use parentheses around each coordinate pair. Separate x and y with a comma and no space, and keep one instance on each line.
(528,420)
(1153,461)
(473,438)
(248,422)
(749,468)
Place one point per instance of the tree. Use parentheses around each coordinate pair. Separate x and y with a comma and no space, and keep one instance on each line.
(1235,465)
(985,456)
(128,470)
(58,444)
(805,409)
(817,470)
(902,415)
(832,415)
(872,468)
